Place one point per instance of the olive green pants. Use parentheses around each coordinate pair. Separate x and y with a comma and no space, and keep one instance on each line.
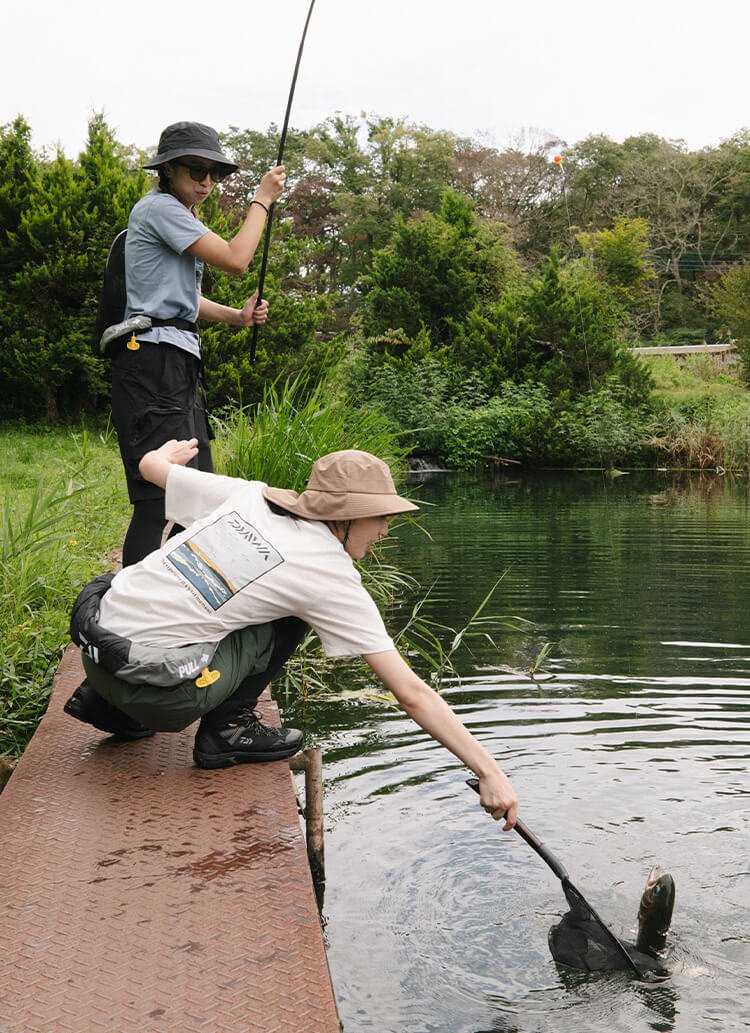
(247,658)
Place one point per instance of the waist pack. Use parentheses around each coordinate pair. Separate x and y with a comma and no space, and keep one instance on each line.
(131,661)
(114,336)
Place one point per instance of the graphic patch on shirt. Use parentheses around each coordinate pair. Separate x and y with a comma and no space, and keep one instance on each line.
(223,558)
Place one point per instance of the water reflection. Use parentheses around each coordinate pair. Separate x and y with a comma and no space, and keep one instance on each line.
(630,747)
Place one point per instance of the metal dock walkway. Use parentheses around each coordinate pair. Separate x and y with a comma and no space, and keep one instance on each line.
(140,892)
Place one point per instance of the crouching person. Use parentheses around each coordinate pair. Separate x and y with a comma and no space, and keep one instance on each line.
(198,628)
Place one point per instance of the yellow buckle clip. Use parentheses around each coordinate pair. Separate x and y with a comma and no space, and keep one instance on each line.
(207,678)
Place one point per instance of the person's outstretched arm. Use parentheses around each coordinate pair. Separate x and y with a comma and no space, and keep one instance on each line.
(431,712)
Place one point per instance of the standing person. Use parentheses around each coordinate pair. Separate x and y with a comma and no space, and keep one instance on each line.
(157,391)
(198,628)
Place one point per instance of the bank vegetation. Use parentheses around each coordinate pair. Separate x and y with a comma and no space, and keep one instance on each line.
(430,295)
(485,301)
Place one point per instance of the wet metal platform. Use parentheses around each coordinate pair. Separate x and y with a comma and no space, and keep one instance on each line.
(140,892)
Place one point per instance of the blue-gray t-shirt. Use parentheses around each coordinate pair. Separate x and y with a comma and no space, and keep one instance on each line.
(163,279)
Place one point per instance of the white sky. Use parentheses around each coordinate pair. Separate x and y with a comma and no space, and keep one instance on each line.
(486,68)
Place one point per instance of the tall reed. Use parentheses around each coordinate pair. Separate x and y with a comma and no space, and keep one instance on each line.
(277,440)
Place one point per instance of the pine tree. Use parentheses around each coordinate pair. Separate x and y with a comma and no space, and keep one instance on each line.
(55,261)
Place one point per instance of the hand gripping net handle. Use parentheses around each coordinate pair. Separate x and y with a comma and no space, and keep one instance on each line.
(572,894)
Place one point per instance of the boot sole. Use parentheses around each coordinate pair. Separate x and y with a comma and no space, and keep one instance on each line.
(228,760)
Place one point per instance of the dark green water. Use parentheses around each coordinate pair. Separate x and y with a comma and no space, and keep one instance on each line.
(630,749)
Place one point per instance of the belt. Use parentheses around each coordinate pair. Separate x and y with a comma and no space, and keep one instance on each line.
(181,324)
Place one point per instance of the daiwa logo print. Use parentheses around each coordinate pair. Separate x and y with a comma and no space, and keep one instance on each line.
(249,533)
(224,557)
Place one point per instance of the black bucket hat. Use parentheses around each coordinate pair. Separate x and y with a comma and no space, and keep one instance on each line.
(190,138)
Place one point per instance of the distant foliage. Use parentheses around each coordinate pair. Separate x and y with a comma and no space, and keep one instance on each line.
(62,508)
(730,301)
(444,274)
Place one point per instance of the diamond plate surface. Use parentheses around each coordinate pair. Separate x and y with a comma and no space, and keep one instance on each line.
(142,893)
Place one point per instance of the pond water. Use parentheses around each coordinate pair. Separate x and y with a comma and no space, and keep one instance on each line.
(629,748)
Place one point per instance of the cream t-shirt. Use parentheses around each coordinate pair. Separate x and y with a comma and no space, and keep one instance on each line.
(237,564)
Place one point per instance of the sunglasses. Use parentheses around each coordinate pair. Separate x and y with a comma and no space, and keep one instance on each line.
(199,172)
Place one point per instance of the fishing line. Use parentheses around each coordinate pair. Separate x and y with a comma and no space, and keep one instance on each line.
(282,142)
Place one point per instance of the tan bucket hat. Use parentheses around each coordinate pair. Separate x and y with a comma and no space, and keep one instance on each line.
(344,485)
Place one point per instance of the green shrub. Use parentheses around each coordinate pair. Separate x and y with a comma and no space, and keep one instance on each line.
(516,424)
(665,371)
(600,429)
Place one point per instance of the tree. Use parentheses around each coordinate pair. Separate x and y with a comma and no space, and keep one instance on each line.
(435,270)
(730,302)
(594,169)
(256,153)
(620,255)
(18,184)
(673,190)
(564,331)
(72,214)
(359,177)
(286,344)
(729,217)
(512,187)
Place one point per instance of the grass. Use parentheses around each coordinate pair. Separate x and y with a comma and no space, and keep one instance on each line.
(703,414)
(701,377)
(708,434)
(278,439)
(64,508)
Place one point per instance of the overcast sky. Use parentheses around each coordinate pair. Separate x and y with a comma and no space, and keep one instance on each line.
(483,68)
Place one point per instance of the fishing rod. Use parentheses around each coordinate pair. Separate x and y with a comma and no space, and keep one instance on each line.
(282,142)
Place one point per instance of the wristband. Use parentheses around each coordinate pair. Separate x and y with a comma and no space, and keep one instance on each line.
(254,201)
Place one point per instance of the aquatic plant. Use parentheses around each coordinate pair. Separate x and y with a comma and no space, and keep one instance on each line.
(430,646)
(537,666)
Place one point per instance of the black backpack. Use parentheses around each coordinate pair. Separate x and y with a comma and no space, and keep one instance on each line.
(111,329)
(112,296)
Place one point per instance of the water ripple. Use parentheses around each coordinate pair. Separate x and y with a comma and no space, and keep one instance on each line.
(629,748)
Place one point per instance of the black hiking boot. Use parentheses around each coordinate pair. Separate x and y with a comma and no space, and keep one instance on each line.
(88,706)
(244,741)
